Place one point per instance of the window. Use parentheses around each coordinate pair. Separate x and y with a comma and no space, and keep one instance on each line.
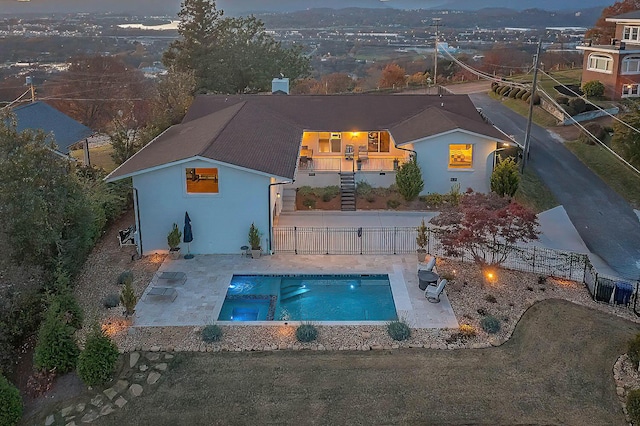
(460,156)
(600,63)
(378,142)
(630,91)
(631,34)
(631,65)
(202,181)
(329,142)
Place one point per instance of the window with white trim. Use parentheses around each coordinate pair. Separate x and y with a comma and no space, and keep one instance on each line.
(631,33)
(600,63)
(631,65)
(202,180)
(630,91)
(460,156)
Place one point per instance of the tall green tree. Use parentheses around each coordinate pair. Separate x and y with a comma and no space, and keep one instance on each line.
(505,178)
(626,141)
(409,179)
(230,55)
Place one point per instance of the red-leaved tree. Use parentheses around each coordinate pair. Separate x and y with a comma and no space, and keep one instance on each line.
(603,31)
(486,226)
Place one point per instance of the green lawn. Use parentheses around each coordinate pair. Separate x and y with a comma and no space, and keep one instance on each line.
(567,77)
(614,173)
(100,156)
(540,116)
(533,193)
(556,369)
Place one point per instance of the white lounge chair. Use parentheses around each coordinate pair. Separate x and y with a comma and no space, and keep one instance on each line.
(432,293)
(428,266)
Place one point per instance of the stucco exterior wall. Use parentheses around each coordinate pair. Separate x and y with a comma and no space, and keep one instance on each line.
(433,158)
(220,221)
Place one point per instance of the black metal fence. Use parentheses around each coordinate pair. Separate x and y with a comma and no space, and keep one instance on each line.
(402,240)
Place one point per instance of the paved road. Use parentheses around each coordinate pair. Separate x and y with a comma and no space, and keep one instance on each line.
(605,221)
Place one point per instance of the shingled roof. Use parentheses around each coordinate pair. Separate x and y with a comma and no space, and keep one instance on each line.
(39,116)
(264,133)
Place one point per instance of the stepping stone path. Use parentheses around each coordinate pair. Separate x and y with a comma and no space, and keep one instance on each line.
(145,370)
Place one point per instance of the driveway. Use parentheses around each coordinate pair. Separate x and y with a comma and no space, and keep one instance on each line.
(607,224)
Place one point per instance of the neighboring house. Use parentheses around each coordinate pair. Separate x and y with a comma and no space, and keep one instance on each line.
(616,65)
(59,127)
(231,157)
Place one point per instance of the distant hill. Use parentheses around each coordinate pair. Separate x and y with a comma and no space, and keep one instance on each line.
(234,7)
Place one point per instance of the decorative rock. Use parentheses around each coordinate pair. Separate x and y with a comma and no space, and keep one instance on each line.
(110,393)
(620,391)
(477,346)
(90,416)
(153,356)
(49,420)
(121,385)
(415,345)
(80,407)
(395,346)
(162,366)
(321,347)
(135,390)
(98,401)
(494,341)
(139,377)
(72,423)
(144,367)
(282,346)
(376,347)
(133,359)
(66,411)
(106,410)
(154,376)
(168,356)
(155,349)
(120,402)
(366,335)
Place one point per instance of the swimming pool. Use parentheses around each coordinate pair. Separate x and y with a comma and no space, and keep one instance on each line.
(309,298)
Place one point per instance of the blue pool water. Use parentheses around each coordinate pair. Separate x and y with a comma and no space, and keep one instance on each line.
(309,298)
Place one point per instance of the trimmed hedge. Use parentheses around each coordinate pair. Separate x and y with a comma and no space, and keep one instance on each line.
(98,359)
(10,403)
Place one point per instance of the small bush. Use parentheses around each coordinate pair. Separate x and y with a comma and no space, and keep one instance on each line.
(490,324)
(305,191)
(596,130)
(449,276)
(494,85)
(371,198)
(10,403)
(542,279)
(309,202)
(128,299)
(593,88)
(67,306)
(521,93)
(569,110)
(562,100)
(482,311)
(330,192)
(211,333)
(398,330)
(97,361)
(434,199)
(125,277)
(503,90)
(513,93)
(306,333)
(633,406)
(56,348)
(578,104)
(535,99)
(526,96)
(467,330)
(393,204)
(363,189)
(490,298)
(633,350)
(111,301)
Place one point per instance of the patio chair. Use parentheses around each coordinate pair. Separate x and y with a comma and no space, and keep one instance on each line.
(126,237)
(363,153)
(348,152)
(427,266)
(432,293)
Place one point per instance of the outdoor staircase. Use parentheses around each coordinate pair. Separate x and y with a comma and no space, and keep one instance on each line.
(347,191)
(289,200)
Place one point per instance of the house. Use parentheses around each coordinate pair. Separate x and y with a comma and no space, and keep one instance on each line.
(60,128)
(229,160)
(616,65)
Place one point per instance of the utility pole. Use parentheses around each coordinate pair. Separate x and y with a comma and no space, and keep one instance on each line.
(436,23)
(527,135)
(29,81)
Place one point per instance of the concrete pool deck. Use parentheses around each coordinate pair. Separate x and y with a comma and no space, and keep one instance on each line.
(199,299)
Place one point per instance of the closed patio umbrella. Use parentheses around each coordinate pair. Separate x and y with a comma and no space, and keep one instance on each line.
(187,235)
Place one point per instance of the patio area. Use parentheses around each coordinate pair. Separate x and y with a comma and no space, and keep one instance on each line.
(198,300)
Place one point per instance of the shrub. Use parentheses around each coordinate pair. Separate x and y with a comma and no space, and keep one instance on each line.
(578,104)
(542,279)
(124,277)
(595,129)
(10,403)
(173,238)
(330,192)
(363,189)
(398,330)
(56,347)
(526,96)
(434,199)
(306,333)
(111,301)
(393,204)
(467,330)
(513,93)
(490,324)
(562,100)
(505,178)
(309,202)
(211,333)
(535,98)
(449,276)
(128,299)
(305,191)
(494,85)
(67,306)
(371,198)
(633,406)
(593,88)
(521,93)
(454,194)
(98,359)
(633,350)
(409,179)
(569,110)
(503,90)
(490,298)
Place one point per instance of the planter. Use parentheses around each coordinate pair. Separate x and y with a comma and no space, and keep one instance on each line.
(255,254)
(174,253)
(422,254)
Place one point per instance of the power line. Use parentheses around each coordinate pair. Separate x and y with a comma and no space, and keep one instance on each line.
(17,99)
